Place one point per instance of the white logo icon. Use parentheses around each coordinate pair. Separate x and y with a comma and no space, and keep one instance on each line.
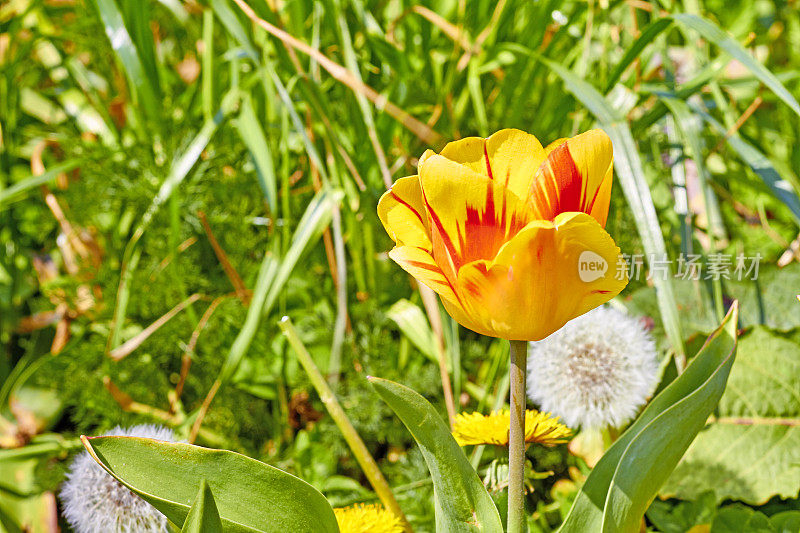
(591,266)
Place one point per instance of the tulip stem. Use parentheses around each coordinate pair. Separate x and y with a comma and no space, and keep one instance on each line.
(516,438)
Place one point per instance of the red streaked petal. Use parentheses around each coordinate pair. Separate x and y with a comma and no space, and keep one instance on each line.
(536,282)
(575,176)
(470,215)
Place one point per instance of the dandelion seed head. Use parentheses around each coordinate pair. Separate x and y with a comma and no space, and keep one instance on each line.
(94,502)
(596,371)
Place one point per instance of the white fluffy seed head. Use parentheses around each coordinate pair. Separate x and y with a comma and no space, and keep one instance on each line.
(95,502)
(596,371)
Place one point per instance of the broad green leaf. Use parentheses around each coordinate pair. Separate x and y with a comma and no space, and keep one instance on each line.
(771,299)
(738,518)
(462,502)
(786,521)
(203,516)
(250,495)
(622,484)
(629,170)
(752,452)
(680,517)
(714,34)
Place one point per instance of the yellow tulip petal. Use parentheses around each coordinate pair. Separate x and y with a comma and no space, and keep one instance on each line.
(471,319)
(535,285)
(470,216)
(468,152)
(402,213)
(510,156)
(515,156)
(576,176)
(420,264)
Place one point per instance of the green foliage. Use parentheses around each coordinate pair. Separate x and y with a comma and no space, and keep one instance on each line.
(704,514)
(461,500)
(771,300)
(752,451)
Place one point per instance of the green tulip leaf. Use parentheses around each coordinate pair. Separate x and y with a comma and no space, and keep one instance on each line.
(203,516)
(250,496)
(624,482)
(462,502)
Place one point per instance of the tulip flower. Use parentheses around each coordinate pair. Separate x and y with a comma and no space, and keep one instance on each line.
(511,237)
(508,233)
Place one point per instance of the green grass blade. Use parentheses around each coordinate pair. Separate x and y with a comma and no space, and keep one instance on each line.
(266,275)
(274,273)
(414,325)
(351,63)
(207,72)
(286,98)
(342,421)
(137,19)
(180,169)
(249,128)
(476,95)
(761,165)
(143,90)
(693,86)
(713,33)
(316,218)
(689,126)
(228,18)
(653,30)
(16,192)
(340,323)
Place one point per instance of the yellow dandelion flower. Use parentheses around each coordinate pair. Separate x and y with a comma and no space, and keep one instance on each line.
(362,518)
(541,428)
